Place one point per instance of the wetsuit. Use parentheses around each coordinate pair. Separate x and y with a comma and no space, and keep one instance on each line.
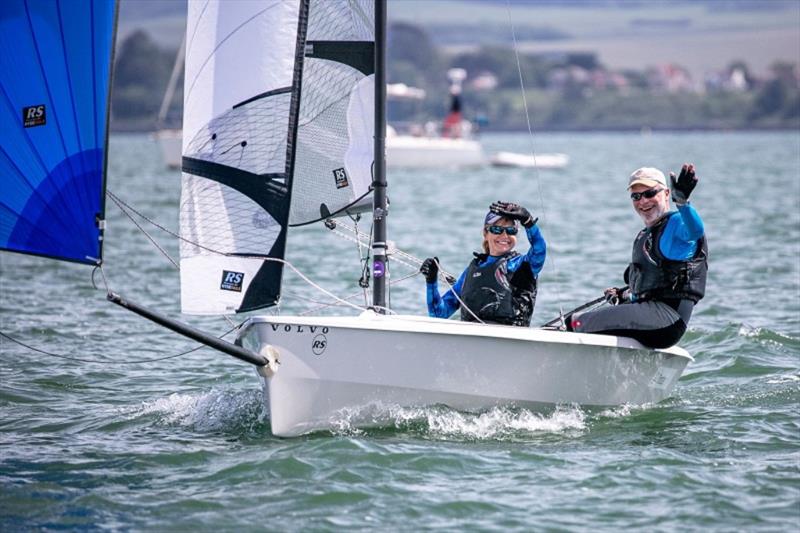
(667,277)
(520,272)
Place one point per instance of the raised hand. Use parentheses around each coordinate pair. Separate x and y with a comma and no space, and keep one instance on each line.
(683,185)
(430,269)
(514,212)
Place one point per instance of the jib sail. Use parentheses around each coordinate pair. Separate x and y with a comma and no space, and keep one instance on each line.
(55,65)
(278,131)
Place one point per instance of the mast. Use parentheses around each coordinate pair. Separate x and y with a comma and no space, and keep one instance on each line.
(379,208)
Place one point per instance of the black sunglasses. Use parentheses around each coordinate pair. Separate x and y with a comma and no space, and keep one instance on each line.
(498,230)
(649,193)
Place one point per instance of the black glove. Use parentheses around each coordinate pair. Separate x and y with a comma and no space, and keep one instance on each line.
(616,296)
(430,269)
(683,186)
(514,212)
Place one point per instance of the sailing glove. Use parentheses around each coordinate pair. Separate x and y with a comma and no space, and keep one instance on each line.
(683,186)
(616,296)
(514,212)
(430,269)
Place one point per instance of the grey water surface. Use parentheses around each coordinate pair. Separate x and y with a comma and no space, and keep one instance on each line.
(184,443)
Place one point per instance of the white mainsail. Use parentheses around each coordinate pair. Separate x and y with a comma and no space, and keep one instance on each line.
(278,97)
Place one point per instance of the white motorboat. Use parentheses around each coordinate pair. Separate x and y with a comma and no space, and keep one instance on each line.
(512,159)
(407,151)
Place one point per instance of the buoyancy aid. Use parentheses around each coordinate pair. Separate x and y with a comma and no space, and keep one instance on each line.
(652,276)
(496,295)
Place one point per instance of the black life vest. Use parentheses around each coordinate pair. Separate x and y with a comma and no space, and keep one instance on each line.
(496,295)
(652,276)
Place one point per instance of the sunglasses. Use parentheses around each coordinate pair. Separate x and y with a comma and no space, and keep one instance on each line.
(498,230)
(649,193)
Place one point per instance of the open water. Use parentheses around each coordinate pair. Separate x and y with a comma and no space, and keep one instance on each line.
(184,444)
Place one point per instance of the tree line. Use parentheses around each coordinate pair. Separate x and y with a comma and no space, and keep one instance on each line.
(570,91)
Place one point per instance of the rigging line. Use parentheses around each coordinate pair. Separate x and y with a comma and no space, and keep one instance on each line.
(114,361)
(533,144)
(245,256)
(450,287)
(363,258)
(348,297)
(393,252)
(152,240)
(120,203)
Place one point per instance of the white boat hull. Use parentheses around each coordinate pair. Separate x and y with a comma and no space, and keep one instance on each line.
(511,159)
(406,151)
(332,369)
(170,143)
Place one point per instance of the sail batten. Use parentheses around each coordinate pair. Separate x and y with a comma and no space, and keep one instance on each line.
(277,132)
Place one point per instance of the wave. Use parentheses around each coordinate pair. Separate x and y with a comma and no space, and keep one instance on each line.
(230,411)
(740,350)
(442,422)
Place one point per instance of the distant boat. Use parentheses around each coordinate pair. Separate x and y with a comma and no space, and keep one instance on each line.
(428,147)
(409,151)
(169,144)
(511,159)
(170,139)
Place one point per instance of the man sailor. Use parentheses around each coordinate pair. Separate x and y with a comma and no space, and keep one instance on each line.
(667,272)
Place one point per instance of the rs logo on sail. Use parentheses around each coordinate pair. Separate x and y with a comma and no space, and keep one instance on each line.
(232,281)
(34,115)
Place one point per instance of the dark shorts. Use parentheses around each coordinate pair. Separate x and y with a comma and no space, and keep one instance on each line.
(655,324)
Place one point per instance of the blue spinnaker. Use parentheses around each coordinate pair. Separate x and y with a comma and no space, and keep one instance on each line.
(55,66)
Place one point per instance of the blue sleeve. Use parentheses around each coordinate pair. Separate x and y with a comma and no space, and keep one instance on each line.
(679,240)
(536,253)
(443,306)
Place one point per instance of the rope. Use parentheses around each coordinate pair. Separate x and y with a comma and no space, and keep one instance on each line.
(120,203)
(533,147)
(464,305)
(211,250)
(107,362)
(408,260)
(363,258)
(324,305)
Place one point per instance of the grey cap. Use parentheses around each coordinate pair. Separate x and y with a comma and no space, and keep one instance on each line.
(648,176)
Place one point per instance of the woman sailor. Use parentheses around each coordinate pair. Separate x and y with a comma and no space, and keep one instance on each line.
(499,285)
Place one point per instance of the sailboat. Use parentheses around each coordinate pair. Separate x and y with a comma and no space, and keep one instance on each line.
(288,136)
(169,138)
